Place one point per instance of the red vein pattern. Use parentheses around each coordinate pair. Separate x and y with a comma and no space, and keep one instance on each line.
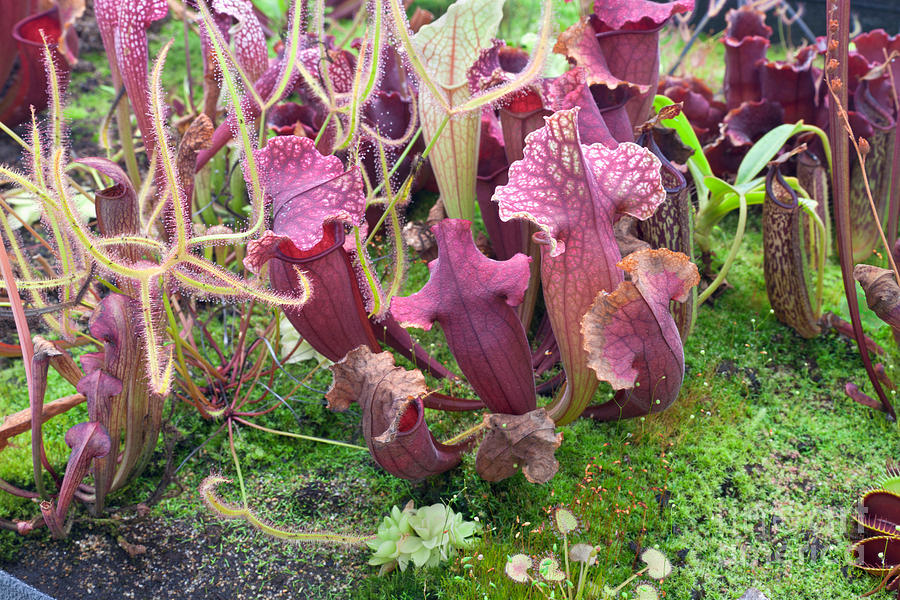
(574,193)
(631,338)
(472,297)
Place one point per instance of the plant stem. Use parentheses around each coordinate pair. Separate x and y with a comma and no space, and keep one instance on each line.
(425,154)
(237,464)
(837,81)
(465,434)
(732,253)
(629,580)
(300,436)
(37,447)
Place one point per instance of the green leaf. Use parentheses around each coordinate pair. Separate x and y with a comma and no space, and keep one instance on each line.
(765,150)
(273,9)
(719,187)
(549,569)
(683,128)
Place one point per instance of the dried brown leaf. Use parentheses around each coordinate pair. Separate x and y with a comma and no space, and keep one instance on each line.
(515,442)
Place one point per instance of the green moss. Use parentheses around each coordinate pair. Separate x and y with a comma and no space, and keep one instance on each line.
(16,466)
(760,462)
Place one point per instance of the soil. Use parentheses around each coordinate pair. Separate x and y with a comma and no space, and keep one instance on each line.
(89,39)
(153,559)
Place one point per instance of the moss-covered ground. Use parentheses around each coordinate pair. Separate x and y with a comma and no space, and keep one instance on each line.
(748,480)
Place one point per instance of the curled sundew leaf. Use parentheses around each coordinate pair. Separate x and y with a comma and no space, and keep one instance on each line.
(472,297)
(517,568)
(574,193)
(746,41)
(658,566)
(208,488)
(519,442)
(631,338)
(393,415)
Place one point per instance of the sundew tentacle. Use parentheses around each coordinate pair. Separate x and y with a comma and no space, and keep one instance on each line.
(235,286)
(165,151)
(159,357)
